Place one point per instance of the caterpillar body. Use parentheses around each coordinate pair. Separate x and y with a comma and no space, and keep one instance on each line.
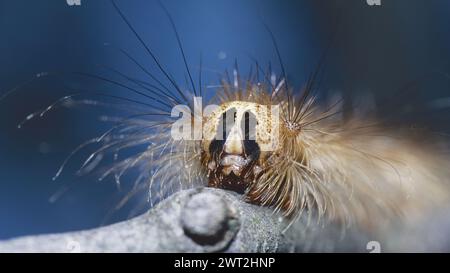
(352,171)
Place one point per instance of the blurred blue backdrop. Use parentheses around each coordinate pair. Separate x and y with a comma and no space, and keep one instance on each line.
(377,49)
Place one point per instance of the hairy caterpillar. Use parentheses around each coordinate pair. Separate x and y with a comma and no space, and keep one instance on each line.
(349,171)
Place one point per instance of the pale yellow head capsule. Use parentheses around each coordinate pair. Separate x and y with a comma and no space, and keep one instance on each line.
(237,138)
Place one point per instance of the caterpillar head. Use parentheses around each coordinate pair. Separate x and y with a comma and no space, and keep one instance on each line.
(239,139)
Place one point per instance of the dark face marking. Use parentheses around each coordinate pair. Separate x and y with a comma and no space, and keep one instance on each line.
(234,171)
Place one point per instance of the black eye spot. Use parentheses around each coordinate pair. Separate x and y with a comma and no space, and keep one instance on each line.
(248,126)
(226,123)
(224,128)
(215,148)
(252,149)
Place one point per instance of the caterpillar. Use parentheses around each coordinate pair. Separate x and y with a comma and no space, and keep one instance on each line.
(350,171)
